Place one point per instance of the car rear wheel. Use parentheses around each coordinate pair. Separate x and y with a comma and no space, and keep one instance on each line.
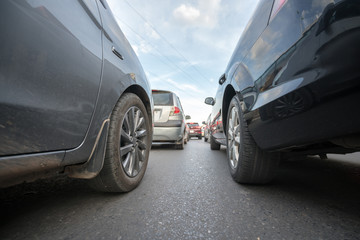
(248,163)
(214,145)
(128,146)
(180,145)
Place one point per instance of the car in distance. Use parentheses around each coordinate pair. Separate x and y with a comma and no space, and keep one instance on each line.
(74,98)
(169,118)
(195,130)
(290,88)
(207,128)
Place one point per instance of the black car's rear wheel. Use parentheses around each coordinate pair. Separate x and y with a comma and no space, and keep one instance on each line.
(128,146)
(247,162)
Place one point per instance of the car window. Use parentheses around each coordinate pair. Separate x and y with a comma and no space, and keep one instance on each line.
(163,99)
(193,124)
(253,30)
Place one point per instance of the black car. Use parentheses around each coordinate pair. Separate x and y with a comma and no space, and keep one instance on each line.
(292,87)
(74,98)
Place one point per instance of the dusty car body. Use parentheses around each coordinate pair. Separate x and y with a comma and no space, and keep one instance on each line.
(65,70)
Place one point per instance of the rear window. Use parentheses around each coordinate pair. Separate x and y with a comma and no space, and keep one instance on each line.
(193,124)
(163,99)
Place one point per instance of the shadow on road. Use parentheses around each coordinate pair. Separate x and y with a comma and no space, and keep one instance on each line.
(327,184)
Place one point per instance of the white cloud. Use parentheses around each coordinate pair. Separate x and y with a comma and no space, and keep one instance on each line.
(142,48)
(203,15)
(150,31)
(187,14)
(184,87)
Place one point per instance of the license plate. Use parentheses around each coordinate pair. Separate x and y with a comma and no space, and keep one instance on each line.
(191,131)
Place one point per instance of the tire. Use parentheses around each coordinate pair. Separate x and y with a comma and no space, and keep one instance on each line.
(128,146)
(247,162)
(205,138)
(199,137)
(214,145)
(180,146)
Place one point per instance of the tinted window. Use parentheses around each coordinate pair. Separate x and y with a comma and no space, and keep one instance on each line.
(193,124)
(253,30)
(163,99)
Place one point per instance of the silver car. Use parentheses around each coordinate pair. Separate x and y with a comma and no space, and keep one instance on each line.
(169,118)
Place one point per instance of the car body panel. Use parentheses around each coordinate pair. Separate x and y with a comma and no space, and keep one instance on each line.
(301,57)
(99,74)
(47,51)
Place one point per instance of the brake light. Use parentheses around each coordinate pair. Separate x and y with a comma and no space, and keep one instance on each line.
(278,4)
(174,111)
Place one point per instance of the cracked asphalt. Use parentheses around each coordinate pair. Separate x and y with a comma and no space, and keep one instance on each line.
(189,194)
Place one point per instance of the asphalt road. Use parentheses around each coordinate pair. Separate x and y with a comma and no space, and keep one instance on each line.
(189,194)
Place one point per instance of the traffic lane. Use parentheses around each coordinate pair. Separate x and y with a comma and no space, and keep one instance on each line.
(190,194)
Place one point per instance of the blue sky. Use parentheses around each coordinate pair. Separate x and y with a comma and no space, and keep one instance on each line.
(184,45)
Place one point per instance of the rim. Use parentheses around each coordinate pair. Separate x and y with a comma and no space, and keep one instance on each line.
(133,141)
(233,137)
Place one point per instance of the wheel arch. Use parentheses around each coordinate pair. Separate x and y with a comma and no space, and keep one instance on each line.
(229,93)
(141,93)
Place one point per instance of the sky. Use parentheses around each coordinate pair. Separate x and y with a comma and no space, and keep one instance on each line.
(184,46)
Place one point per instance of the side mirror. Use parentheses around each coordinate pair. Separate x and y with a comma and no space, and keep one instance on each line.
(210,101)
(187,117)
(222,79)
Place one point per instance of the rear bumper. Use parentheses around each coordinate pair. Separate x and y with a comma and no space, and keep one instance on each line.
(167,134)
(170,123)
(195,134)
(327,121)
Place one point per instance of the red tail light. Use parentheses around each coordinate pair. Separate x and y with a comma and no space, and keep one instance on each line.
(278,4)
(174,111)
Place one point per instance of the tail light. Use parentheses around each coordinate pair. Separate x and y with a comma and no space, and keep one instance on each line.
(278,4)
(174,111)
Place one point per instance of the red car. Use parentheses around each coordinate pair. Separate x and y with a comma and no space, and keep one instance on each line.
(195,129)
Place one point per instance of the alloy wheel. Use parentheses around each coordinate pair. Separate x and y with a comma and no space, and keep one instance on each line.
(233,137)
(133,142)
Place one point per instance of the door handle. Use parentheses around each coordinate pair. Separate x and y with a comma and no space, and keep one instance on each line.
(117,53)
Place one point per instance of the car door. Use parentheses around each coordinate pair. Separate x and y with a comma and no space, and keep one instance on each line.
(50,67)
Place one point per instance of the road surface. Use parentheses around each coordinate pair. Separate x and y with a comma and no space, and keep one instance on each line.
(189,194)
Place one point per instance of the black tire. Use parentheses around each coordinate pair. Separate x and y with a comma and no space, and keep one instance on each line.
(199,137)
(214,145)
(127,144)
(180,146)
(247,162)
(205,138)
